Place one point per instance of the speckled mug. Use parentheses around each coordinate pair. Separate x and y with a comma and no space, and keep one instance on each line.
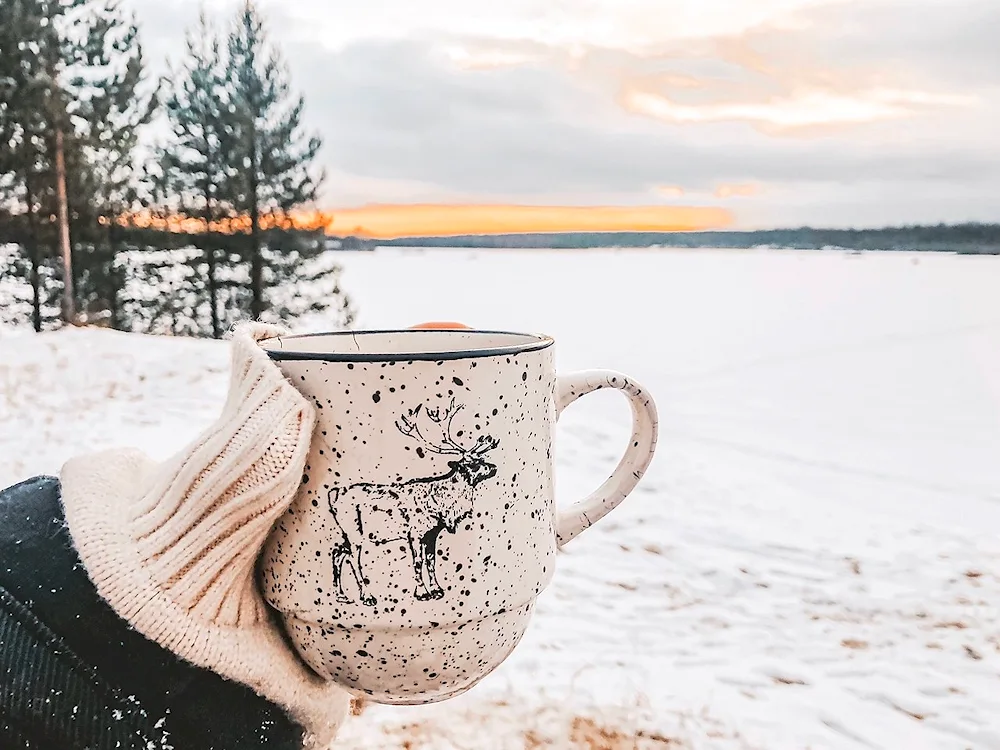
(407,567)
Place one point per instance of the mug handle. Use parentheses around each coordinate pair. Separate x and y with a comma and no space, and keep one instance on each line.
(585,513)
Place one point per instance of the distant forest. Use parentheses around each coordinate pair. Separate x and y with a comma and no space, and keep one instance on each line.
(976,239)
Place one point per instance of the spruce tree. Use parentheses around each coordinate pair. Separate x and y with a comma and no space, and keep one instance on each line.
(196,161)
(73,106)
(15,305)
(273,175)
(112,102)
(36,53)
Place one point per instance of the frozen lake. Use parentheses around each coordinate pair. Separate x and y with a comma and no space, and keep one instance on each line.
(813,559)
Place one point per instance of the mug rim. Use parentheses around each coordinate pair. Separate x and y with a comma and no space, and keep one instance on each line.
(533,342)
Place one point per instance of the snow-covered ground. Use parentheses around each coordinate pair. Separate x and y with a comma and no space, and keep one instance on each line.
(813,560)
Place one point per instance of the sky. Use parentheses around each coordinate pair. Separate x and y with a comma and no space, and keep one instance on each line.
(684,113)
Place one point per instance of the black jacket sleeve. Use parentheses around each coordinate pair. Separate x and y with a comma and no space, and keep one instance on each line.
(74,675)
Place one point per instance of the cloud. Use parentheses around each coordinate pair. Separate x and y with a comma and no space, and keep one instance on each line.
(485,59)
(936,43)
(745,189)
(618,24)
(889,113)
(831,68)
(797,110)
(669,191)
(398,110)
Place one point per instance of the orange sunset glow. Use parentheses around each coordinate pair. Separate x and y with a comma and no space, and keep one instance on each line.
(431,220)
(391,221)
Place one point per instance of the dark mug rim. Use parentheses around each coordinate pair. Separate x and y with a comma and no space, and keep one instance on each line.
(532,343)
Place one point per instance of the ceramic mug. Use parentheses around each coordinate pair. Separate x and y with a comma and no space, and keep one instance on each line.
(407,567)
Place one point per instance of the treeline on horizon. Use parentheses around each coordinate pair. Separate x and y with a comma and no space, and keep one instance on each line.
(970,238)
(159,206)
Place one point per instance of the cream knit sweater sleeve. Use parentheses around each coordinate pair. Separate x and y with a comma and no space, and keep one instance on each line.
(173,546)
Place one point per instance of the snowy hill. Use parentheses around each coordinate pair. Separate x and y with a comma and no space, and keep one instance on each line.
(813,560)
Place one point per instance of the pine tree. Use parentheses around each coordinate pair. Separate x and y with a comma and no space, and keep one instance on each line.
(35,55)
(73,106)
(274,174)
(13,226)
(195,163)
(69,135)
(111,103)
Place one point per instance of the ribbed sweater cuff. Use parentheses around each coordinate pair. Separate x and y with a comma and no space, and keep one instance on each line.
(173,546)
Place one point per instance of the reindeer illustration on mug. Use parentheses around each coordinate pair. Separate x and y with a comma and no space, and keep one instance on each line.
(415,511)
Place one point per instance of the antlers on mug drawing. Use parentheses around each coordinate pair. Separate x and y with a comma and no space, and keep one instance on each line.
(415,511)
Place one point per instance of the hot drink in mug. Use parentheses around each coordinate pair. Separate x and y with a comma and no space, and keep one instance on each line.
(408,565)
